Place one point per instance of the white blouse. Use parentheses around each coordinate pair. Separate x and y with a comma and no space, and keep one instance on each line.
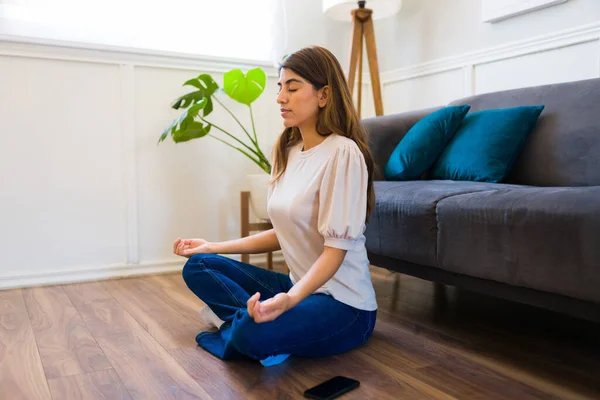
(321,200)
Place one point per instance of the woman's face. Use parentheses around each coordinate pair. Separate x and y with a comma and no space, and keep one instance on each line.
(299,100)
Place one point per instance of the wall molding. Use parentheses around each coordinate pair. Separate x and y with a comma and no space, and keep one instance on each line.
(128,151)
(469,80)
(552,41)
(87,274)
(598,57)
(20,46)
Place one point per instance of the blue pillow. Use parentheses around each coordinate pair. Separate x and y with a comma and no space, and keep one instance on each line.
(423,143)
(486,145)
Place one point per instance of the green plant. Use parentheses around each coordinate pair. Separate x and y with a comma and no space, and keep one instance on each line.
(192,123)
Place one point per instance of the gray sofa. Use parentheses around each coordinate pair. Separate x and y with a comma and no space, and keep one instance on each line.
(534,238)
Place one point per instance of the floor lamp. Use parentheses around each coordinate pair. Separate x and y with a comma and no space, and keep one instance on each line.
(362,14)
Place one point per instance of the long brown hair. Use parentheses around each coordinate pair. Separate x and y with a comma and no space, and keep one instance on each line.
(320,67)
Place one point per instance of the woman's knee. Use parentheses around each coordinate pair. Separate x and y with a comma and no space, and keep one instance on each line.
(194,265)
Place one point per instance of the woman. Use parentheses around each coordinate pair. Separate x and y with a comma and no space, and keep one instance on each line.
(320,197)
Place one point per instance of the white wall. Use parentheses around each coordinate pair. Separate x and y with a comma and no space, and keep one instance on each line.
(86,192)
(427,30)
(304,24)
(436,51)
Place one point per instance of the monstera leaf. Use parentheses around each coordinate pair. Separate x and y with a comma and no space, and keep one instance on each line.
(206,87)
(196,105)
(244,88)
(184,127)
(193,130)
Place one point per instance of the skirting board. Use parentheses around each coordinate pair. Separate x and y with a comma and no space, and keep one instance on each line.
(74,275)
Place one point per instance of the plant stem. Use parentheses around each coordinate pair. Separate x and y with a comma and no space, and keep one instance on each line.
(260,156)
(255,137)
(236,120)
(241,151)
(253,128)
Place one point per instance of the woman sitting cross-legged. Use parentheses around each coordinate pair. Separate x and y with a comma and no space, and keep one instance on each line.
(319,201)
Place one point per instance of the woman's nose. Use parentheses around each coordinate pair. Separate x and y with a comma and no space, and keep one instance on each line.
(281,98)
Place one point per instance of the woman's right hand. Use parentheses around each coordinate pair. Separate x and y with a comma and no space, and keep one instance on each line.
(189,247)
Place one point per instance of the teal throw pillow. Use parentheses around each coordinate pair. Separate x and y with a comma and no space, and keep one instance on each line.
(423,143)
(486,145)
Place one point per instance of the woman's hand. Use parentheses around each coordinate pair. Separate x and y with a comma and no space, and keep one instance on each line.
(269,309)
(188,247)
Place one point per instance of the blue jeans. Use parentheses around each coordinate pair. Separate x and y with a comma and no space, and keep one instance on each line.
(317,326)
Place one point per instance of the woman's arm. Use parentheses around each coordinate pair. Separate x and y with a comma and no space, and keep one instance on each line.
(260,243)
(263,242)
(321,271)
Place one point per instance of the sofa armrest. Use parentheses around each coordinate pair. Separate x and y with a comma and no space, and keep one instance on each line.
(385,132)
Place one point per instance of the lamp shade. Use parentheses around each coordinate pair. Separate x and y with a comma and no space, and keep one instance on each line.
(341,9)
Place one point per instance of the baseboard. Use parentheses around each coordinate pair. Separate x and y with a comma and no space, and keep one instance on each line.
(87,274)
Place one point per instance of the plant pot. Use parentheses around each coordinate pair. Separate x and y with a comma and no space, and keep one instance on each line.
(258,194)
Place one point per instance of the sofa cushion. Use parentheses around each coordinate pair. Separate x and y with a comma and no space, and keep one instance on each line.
(541,238)
(423,144)
(486,145)
(386,131)
(403,224)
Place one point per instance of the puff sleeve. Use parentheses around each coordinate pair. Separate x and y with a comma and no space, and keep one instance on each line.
(343,198)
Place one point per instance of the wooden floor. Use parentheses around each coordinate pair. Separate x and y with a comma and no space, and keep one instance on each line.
(134,339)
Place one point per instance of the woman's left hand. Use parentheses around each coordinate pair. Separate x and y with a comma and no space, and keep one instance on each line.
(269,309)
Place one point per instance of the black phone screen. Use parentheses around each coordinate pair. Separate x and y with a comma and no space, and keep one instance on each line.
(332,388)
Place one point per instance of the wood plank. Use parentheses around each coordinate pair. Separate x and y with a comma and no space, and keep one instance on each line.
(459,339)
(375,383)
(86,292)
(105,317)
(173,324)
(221,379)
(240,378)
(65,344)
(449,372)
(408,353)
(172,289)
(102,313)
(247,379)
(403,375)
(144,367)
(21,371)
(91,386)
(463,379)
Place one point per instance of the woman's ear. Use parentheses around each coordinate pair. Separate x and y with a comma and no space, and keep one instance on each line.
(323,96)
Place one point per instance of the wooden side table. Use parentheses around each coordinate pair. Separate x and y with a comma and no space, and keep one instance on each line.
(248,227)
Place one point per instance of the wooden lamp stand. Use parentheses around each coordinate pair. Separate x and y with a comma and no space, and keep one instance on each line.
(362,25)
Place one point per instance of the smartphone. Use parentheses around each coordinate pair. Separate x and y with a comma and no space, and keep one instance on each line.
(332,388)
